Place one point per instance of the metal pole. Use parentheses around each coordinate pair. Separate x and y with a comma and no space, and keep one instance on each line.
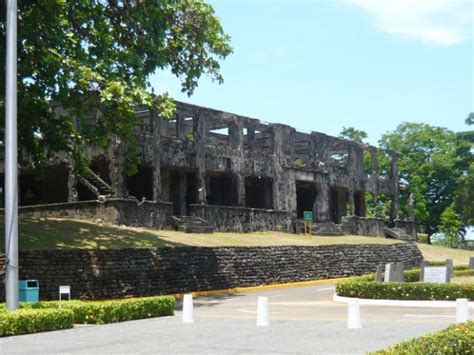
(11,168)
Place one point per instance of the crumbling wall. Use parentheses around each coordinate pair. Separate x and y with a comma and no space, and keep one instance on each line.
(206,145)
(242,219)
(128,212)
(372,227)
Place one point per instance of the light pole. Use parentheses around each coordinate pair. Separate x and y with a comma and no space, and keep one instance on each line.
(11,160)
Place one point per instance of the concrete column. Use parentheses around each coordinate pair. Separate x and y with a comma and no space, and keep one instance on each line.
(241,190)
(71,185)
(200,139)
(180,127)
(281,186)
(182,193)
(394,208)
(236,135)
(165,186)
(117,169)
(157,124)
(350,196)
(322,203)
(374,163)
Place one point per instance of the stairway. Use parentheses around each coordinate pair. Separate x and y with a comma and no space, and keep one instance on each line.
(95,184)
(191,224)
(397,233)
(327,229)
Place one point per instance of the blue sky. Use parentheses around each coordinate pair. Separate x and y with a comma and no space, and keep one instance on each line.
(324,64)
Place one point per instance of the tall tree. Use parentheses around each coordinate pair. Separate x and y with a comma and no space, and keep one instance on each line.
(93,59)
(470,119)
(432,161)
(353,134)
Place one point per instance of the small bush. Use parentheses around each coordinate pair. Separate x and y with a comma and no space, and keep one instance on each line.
(100,312)
(366,287)
(457,339)
(423,238)
(405,290)
(24,321)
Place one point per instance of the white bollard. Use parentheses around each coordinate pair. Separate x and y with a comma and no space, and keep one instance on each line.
(462,310)
(262,312)
(188,309)
(353,314)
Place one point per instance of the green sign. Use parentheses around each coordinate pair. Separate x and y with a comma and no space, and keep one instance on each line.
(308,216)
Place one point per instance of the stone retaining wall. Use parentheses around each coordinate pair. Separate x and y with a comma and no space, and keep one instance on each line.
(129,212)
(244,219)
(354,225)
(115,273)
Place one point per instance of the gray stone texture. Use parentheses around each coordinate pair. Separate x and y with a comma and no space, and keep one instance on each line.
(130,212)
(113,273)
(261,176)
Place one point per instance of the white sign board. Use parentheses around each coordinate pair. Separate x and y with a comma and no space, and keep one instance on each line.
(436,274)
(64,289)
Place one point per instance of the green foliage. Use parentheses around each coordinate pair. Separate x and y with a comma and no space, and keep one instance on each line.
(190,137)
(93,59)
(25,321)
(100,312)
(465,196)
(449,225)
(432,160)
(423,238)
(470,119)
(298,163)
(353,134)
(457,339)
(379,208)
(411,289)
(405,290)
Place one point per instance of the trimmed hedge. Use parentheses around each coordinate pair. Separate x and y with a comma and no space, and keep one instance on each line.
(457,339)
(405,290)
(366,287)
(54,315)
(101,312)
(24,321)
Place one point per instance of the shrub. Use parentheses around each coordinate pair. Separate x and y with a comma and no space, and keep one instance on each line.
(456,339)
(100,312)
(423,238)
(24,321)
(366,287)
(404,290)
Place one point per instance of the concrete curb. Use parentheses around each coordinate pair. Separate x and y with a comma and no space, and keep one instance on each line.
(261,288)
(401,303)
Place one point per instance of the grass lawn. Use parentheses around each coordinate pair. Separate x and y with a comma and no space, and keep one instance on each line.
(463,280)
(438,253)
(66,233)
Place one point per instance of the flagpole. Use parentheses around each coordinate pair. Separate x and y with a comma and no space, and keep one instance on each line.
(11,160)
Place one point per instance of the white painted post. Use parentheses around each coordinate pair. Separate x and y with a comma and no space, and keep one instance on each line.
(262,312)
(65,290)
(188,309)
(462,310)
(353,314)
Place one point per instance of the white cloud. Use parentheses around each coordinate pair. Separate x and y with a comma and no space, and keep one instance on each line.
(444,22)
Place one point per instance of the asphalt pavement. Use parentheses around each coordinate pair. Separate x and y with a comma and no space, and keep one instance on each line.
(303,320)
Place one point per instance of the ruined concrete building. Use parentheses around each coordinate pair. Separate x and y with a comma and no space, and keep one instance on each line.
(236,173)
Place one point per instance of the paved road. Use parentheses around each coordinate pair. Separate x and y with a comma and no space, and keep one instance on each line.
(302,320)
